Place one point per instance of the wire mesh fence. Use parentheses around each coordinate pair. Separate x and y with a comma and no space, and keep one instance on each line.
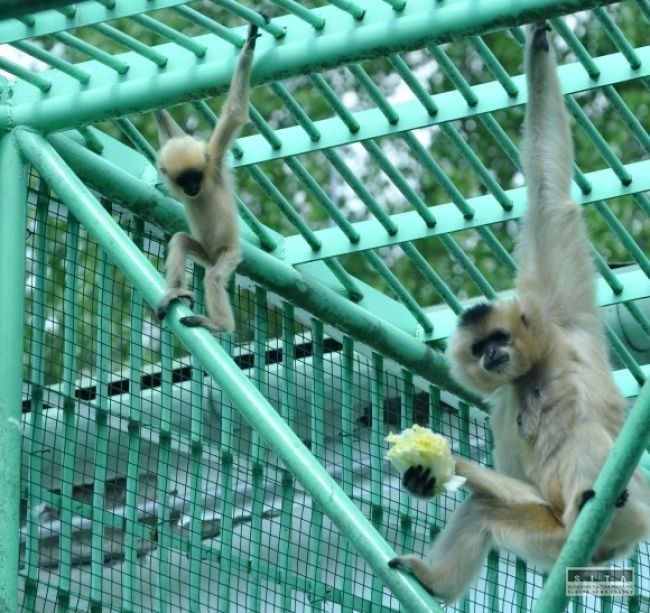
(384,191)
(143,487)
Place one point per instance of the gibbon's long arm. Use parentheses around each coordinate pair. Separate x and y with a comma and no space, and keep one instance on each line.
(234,113)
(555,264)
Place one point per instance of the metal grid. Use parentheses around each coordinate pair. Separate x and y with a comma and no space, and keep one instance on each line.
(350,255)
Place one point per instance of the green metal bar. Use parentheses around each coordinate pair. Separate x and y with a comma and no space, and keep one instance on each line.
(644,7)
(36,374)
(285,207)
(161,532)
(618,38)
(454,75)
(138,141)
(348,282)
(266,132)
(638,131)
(323,198)
(215,361)
(471,269)
(49,58)
(592,68)
(13,199)
(597,512)
(624,355)
(374,92)
(93,52)
(305,290)
(402,69)
(312,18)
(439,175)
(129,583)
(252,16)
(475,212)
(432,277)
(296,110)
(211,25)
(335,102)
(452,106)
(618,229)
(483,173)
(26,75)
(400,183)
(267,241)
(165,31)
(133,44)
(600,143)
(400,291)
(494,66)
(18,8)
(355,10)
(69,405)
(90,140)
(360,190)
(103,350)
(498,249)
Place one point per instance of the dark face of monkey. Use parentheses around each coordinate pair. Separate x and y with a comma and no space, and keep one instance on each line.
(190,181)
(492,345)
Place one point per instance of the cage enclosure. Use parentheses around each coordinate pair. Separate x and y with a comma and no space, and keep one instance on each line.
(147,466)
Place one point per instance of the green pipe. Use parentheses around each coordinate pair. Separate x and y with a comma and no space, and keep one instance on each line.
(342,41)
(597,512)
(13,199)
(213,359)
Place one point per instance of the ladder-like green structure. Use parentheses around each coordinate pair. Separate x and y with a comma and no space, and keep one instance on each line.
(326,188)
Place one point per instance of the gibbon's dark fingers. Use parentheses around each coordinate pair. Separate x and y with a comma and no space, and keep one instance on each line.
(622,499)
(418,481)
(540,39)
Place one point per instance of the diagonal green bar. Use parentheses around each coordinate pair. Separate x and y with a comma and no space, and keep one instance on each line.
(595,516)
(491,96)
(13,198)
(305,290)
(218,364)
(410,226)
(50,21)
(343,41)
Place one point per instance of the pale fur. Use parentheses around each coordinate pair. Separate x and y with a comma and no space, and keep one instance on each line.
(212,213)
(555,408)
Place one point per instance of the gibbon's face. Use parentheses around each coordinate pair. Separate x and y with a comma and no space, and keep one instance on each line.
(492,345)
(183,162)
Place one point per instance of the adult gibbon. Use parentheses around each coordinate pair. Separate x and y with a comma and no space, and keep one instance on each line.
(542,359)
(197,174)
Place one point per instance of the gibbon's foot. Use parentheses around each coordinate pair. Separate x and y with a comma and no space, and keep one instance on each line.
(540,40)
(586,495)
(196,321)
(400,563)
(418,481)
(173,294)
(622,499)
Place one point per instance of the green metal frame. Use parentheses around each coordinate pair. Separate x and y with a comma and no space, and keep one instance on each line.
(300,268)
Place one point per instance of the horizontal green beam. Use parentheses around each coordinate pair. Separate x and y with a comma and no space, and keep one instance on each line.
(614,68)
(86,13)
(597,512)
(411,226)
(305,290)
(304,50)
(220,366)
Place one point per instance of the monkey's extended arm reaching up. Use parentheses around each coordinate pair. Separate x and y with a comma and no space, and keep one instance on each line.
(542,359)
(196,173)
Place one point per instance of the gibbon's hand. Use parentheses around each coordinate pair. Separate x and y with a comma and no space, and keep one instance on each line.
(418,481)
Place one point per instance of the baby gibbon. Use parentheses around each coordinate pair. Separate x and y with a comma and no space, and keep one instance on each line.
(197,174)
(542,359)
